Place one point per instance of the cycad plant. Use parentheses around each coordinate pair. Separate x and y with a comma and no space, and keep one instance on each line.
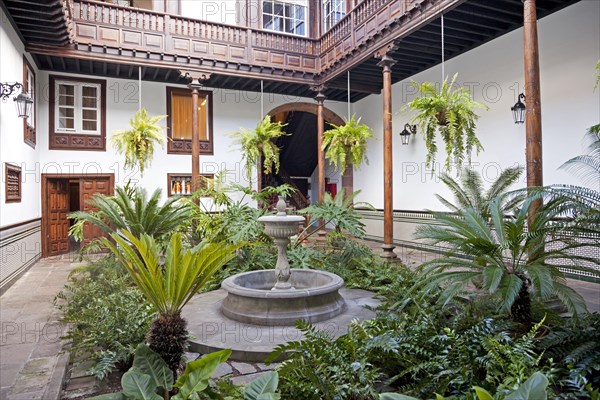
(137,143)
(587,166)
(168,285)
(469,191)
(132,211)
(346,144)
(451,112)
(512,262)
(259,143)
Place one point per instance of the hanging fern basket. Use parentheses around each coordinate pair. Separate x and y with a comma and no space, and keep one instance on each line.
(449,112)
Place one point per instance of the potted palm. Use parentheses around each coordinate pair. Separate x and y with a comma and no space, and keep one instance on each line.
(451,112)
(259,144)
(346,144)
(137,143)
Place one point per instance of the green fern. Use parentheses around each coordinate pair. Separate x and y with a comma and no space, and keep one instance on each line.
(451,112)
(347,144)
(138,142)
(259,143)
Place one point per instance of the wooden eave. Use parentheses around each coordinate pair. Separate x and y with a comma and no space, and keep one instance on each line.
(96,38)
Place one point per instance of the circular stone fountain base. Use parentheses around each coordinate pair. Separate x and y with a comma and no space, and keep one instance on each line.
(211,331)
(314,297)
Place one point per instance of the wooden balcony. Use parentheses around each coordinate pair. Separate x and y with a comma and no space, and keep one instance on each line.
(111,40)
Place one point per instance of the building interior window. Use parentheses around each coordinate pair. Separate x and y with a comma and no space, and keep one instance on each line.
(284,16)
(29,87)
(77,113)
(333,12)
(179,114)
(78,108)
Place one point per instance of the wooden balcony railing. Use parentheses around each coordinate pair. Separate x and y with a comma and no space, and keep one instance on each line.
(139,30)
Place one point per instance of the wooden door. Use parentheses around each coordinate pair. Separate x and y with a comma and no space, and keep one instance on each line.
(87,188)
(57,232)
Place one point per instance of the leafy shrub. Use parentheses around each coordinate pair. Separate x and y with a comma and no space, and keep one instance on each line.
(574,348)
(108,316)
(323,368)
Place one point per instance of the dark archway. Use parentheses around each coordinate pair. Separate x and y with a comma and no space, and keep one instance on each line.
(299,151)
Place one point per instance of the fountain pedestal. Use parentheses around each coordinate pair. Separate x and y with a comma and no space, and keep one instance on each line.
(282,296)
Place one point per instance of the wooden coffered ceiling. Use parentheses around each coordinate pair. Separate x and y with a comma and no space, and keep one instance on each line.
(95,38)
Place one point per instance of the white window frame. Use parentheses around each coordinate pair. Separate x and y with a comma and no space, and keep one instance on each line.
(78,108)
(300,3)
(337,7)
(31,91)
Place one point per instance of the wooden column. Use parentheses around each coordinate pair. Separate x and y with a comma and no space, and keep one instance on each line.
(195,140)
(533,119)
(388,184)
(196,79)
(320,98)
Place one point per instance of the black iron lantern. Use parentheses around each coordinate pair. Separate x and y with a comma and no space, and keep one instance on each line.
(23,100)
(519,110)
(24,103)
(406,132)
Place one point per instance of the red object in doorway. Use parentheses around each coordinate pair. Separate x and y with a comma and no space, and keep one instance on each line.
(331,188)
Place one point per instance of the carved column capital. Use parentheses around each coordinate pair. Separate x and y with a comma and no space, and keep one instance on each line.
(384,54)
(195,77)
(320,96)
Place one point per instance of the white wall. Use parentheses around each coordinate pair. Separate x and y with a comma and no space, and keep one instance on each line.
(232,110)
(569,49)
(12,146)
(221,11)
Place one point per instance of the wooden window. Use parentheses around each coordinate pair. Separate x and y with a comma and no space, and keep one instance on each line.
(179,121)
(12,176)
(333,12)
(29,87)
(285,16)
(181,184)
(77,113)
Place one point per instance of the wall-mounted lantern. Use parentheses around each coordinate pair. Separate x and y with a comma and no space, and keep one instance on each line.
(519,110)
(23,100)
(406,132)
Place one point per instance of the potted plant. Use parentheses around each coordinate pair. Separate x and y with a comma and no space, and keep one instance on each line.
(346,144)
(259,143)
(138,142)
(451,111)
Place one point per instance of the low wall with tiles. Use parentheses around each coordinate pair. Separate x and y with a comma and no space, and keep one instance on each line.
(20,248)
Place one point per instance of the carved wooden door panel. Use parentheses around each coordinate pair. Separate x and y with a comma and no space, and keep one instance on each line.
(87,188)
(57,236)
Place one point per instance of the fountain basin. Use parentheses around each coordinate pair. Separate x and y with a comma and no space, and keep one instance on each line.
(315,297)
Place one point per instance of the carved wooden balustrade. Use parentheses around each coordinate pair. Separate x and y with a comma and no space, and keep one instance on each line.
(178,41)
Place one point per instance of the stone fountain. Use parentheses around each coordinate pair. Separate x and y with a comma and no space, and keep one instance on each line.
(281,296)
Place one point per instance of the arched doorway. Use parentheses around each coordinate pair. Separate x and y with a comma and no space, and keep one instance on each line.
(299,156)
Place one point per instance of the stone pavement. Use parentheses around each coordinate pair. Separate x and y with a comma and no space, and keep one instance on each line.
(32,363)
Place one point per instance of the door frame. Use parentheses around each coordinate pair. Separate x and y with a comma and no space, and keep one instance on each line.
(45,177)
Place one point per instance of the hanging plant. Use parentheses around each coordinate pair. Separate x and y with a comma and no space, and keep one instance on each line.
(451,112)
(259,143)
(346,144)
(138,142)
